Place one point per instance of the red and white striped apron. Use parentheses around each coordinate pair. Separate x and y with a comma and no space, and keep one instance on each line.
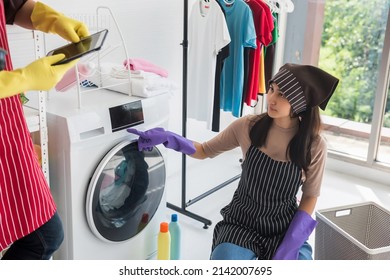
(25,199)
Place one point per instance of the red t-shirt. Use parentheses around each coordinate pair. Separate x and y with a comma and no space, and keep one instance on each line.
(264,25)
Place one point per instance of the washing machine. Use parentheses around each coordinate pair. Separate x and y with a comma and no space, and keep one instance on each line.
(110,196)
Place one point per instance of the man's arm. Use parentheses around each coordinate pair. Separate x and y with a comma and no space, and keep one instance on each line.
(23,16)
(38,16)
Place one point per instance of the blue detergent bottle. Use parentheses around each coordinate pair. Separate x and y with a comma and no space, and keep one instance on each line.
(175,232)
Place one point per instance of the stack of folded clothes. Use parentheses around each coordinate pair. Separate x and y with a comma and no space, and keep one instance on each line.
(146,79)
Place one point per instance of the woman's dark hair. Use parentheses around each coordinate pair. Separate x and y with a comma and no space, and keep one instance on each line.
(299,148)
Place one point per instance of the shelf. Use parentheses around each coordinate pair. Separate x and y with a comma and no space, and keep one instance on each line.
(32,118)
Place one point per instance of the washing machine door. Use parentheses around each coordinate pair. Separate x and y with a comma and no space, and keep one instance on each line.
(125,192)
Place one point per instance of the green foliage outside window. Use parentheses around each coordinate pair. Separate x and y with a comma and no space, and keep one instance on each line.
(351,49)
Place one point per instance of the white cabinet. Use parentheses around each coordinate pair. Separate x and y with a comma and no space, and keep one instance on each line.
(32,118)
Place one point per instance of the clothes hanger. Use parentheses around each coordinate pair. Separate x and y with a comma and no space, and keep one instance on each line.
(272,6)
(206,4)
(229,2)
(286,5)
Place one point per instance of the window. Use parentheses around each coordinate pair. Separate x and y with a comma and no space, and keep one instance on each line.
(384,147)
(355,48)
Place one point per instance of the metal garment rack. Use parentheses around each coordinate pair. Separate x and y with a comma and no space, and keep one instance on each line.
(184,204)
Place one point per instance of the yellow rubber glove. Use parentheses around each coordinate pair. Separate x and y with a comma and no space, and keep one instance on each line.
(48,20)
(38,75)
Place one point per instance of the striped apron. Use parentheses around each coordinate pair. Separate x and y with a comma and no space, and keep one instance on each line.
(25,199)
(262,206)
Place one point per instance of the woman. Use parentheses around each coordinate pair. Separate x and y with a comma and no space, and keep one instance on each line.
(283,151)
(29,224)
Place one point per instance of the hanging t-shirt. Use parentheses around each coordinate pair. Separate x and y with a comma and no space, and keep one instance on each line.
(261,74)
(264,25)
(242,32)
(269,52)
(207,35)
(222,55)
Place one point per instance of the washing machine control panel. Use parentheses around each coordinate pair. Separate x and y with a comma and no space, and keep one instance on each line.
(126,115)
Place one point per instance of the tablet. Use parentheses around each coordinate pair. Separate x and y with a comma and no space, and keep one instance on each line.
(85,46)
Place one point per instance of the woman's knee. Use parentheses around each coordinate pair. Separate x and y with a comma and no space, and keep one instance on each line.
(305,252)
(230,251)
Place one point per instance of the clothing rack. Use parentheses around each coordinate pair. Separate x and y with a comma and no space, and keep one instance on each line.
(184,203)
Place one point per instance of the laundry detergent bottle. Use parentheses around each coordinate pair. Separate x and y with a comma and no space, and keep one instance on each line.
(175,231)
(164,242)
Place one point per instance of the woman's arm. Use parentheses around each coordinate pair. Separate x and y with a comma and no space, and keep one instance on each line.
(200,153)
(307,203)
(236,134)
(23,16)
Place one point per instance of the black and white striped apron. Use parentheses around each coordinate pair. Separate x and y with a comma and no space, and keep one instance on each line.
(262,206)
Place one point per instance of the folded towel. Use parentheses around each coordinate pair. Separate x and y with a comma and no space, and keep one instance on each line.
(142,64)
(70,78)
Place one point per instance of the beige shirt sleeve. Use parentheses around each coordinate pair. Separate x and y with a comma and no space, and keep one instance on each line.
(315,173)
(236,134)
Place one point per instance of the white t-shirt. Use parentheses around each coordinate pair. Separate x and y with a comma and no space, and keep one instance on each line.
(207,35)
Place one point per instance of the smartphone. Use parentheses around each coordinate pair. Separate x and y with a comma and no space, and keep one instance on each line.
(86,45)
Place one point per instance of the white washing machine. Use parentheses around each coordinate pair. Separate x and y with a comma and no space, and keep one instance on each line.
(110,196)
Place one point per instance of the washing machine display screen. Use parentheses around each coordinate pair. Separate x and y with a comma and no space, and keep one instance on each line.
(126,115)
(126,193)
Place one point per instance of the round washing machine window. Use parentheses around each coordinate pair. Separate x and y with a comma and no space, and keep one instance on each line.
(125,192)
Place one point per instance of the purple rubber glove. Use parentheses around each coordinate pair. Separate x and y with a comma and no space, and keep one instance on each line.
(150,138)
(299,230)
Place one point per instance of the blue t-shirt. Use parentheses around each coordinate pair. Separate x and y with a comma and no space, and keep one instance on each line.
(239,20)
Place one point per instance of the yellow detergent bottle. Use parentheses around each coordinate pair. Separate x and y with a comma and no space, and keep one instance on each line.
(164,242)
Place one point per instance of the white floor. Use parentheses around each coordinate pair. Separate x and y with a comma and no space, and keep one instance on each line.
(338,190)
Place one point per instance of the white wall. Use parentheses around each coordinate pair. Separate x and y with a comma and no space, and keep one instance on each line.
(152,30)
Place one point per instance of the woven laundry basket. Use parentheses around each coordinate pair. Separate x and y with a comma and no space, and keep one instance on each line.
(353,232)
